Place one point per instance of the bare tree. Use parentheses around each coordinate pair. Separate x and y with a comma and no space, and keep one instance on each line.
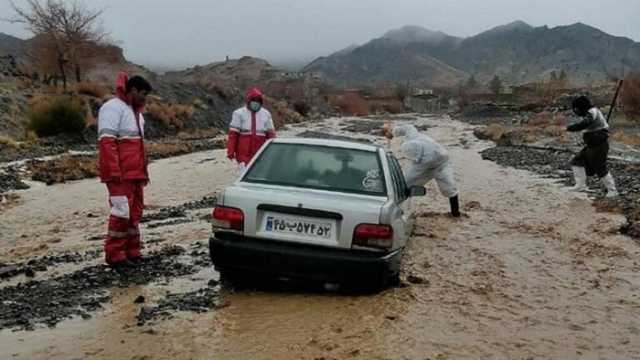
(496,85)
(64,31)
(472,83)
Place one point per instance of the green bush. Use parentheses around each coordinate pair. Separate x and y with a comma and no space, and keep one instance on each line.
(56,115)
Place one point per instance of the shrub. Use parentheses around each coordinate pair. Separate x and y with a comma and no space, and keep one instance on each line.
(91,89)
(625,138)
(630,96)
(171,115)
(165,150)
(354,104)
(394,107)
(7,142)
(54,115)
(65,168)
(495,131)
(301,107)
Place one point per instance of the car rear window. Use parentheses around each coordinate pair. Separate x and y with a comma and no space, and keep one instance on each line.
(319,167)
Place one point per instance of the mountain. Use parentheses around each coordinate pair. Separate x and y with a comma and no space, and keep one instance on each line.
(241,72)
(11,45)
(404,55)
(517,52)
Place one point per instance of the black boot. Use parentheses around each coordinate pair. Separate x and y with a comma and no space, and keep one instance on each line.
(455,206)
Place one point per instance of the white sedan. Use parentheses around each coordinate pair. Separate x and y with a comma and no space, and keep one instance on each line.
(326,210)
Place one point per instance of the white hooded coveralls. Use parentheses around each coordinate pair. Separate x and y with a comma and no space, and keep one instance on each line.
(429,160)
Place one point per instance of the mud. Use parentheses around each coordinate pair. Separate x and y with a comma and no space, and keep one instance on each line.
(531,272)
(325,135)
(372,127)
(555,164)
(179,211)
(41,264)
(83,292)
(198,301)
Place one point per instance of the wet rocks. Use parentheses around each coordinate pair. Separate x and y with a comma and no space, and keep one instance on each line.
(164,214)
(10,179)
(65,168)
(169,223)
(82,292)
(364,126)
(198,301)
(323,135)
(173,212)
(417,280)
(7,271)
(488,110)
(30,267)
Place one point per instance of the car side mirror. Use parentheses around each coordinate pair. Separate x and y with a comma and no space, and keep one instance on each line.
(416,191)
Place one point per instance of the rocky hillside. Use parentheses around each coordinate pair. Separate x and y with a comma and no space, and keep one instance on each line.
(241,72)
(517,52)
(11,45)
(230,79)
(194,102)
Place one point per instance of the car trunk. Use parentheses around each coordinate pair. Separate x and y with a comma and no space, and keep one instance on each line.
(308,216)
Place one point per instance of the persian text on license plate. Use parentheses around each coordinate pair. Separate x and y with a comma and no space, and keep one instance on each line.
(299,227)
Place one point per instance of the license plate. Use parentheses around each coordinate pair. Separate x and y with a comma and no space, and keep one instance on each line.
(296,226)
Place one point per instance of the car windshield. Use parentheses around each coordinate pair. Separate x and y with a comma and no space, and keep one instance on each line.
(319,167)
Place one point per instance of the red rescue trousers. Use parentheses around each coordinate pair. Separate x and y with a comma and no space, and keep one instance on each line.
(126,199)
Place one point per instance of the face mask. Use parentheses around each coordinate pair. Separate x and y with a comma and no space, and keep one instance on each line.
(255,106)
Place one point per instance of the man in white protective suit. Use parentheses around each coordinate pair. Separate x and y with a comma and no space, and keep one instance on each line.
(429,161)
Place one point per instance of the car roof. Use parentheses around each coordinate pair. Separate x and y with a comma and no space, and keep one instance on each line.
(329,142)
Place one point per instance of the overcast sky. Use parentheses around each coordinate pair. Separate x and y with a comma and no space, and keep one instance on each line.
(180,33)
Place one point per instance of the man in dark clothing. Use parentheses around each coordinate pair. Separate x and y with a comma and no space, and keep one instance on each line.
(592,160)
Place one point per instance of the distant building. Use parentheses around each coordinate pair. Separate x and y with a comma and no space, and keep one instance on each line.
(422,92)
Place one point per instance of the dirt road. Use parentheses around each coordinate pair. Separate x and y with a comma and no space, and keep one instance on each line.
(530,272)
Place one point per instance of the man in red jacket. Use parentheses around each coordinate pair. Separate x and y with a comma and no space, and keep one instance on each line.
(123,167)
(251,126)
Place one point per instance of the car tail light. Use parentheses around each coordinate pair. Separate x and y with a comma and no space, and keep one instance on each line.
(228,218)
(375,236)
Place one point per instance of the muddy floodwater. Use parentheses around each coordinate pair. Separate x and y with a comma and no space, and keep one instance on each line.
(531,271)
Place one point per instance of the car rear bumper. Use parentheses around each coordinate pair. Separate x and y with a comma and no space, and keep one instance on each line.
(231,252)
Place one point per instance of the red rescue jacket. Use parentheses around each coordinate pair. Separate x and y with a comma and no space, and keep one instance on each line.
(121,139)
(249,130)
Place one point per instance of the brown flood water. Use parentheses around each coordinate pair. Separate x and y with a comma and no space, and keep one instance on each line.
(531,272)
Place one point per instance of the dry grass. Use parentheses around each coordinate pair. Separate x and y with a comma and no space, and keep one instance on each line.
(165,150)
(281,113)
(628,139)
(64,168)
(630,95)
(8,143)
(198,134)
(351,103)
(495,132)
(541,126)
(171,115)
(91,89)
